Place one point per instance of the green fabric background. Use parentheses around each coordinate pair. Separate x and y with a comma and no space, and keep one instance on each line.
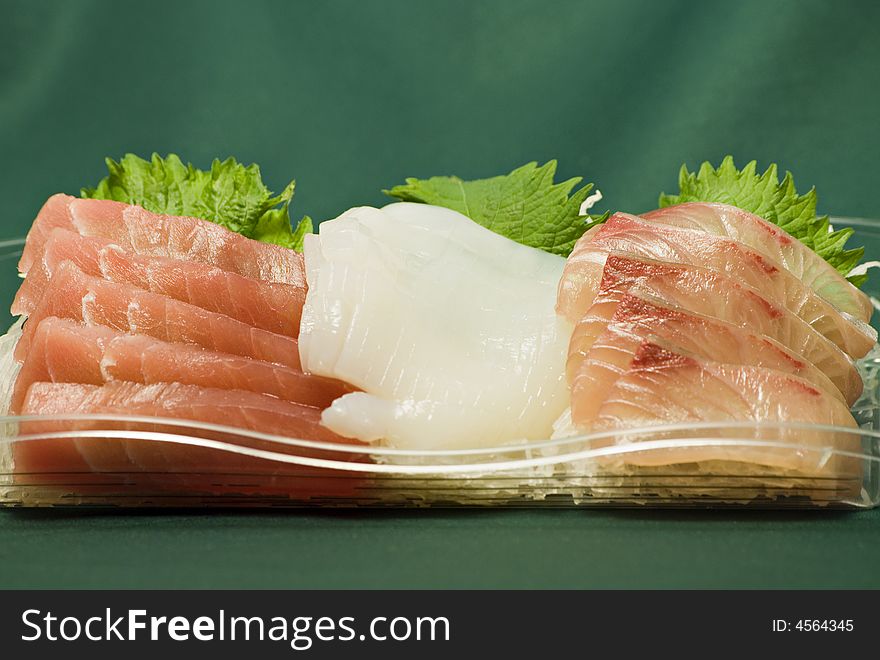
(351,97)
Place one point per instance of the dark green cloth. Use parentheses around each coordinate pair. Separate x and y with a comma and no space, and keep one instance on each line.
(350,98)
(443,549)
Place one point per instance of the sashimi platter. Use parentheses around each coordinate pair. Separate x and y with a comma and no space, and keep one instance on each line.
(494,342)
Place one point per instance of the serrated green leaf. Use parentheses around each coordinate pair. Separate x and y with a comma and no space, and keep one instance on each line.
(525,205)
(774,200)
(304,228)
(274,227)
(229,193)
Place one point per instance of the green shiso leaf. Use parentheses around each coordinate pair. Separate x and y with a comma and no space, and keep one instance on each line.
(774,200)
(525,205)
(229,193)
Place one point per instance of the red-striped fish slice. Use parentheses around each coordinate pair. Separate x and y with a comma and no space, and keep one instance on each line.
(627,234)
(772,241)
(664,386)
(606,340)
(712,294)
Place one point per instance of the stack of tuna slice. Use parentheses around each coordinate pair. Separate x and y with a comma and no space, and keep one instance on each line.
(129,312)
(706,313)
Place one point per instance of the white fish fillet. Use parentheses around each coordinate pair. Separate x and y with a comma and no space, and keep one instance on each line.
(449,329)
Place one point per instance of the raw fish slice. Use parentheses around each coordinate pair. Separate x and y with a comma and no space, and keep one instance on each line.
(55,214)
(92,301)
(605,347)
(267,305)
(142,359)
(448,328)
(272,306)
(189,239)
(239,409)
(666,387)
(59,246)
(813,270)
(627,234)
(715,295)
(235,408)
(64,351)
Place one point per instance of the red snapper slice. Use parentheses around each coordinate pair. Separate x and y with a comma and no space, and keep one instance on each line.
(626,234)
(606,340)
(767,238)
(712,294)
(666,387)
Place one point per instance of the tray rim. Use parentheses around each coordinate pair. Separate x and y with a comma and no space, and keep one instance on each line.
(582,452)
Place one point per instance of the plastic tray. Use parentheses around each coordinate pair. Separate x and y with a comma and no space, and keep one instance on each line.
(208,465)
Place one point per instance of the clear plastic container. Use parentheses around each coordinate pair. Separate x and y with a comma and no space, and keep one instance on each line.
(250,469)
(164,462)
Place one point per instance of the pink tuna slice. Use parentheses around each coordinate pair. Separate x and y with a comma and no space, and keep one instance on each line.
(137,230)
(189,239)
(55,214)
(63,351)
(239,409)
(93,301)
(267,305)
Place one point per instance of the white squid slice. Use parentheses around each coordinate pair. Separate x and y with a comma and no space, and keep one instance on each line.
(448,328)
